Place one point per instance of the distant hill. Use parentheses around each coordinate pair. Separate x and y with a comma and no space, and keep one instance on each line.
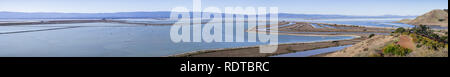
(21,15)
(435,18)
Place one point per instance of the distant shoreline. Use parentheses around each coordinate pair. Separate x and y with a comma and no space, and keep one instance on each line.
(51,22)
(75,21)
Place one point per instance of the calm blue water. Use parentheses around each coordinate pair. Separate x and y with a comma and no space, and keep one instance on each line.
(328,26)
(316,26)
(111,40)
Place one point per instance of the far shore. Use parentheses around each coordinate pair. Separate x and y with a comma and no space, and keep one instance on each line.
(51,22)
(76,21)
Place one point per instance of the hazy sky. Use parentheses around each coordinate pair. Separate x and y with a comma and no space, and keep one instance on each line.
(344,7)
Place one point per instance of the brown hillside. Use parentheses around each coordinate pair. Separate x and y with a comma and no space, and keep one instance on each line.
(435,17)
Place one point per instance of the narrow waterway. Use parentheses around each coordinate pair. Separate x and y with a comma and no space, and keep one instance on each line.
(314,52)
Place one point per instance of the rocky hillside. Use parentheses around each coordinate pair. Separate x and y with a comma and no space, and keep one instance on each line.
(435,18)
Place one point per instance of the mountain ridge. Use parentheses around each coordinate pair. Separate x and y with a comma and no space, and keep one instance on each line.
(436,17)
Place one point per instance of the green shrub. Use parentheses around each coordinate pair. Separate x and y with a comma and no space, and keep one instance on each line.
(393,49)
(335,42)
(434,35)
(371,35)
(400,30)
(429,43)
(441,20)
(375,55)
(444,38)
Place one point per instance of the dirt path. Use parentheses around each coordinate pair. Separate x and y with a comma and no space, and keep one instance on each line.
(406,42)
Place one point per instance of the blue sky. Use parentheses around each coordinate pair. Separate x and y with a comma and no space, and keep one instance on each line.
(343,7)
